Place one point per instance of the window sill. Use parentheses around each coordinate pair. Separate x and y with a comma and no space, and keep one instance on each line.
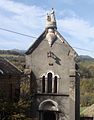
(51,94)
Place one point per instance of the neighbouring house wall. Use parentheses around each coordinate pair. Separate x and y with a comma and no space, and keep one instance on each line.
(9,88)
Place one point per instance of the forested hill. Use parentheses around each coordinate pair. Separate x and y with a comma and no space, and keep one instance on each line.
(12,52)
(86,66)
(15,56)
(86,80)
(85,57)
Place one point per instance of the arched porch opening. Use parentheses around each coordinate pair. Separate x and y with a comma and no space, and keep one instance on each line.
(48,110)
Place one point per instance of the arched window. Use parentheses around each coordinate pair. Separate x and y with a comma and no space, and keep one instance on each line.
(43,84)
(55,84)
(49,83)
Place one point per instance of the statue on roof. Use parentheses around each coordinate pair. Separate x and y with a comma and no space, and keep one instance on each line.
(50,20)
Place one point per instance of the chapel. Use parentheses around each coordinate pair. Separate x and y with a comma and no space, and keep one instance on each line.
(54,76)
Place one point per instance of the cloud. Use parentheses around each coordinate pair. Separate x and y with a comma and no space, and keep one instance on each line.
(77,28)
(21,18)
(30,19)
(78,32)
(22,15)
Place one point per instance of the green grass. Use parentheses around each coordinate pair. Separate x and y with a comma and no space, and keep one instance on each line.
(8,55)
(82,108)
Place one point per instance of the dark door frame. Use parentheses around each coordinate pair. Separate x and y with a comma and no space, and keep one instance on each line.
(55,115)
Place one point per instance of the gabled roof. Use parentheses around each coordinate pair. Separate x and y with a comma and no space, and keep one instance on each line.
(42,36)
(51,32)
(64,41)
(7,68)
(36,43)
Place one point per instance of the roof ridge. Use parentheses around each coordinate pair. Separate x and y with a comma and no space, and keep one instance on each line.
(13,65)
(30,49)
(64,41)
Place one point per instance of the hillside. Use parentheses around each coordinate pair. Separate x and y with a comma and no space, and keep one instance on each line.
(15,56)
(13,52)
(86,81)
(85,57)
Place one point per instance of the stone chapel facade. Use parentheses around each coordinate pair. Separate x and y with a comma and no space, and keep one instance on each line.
(54,78)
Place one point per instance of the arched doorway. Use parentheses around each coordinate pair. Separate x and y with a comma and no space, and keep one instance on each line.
(48,110)
(48,115)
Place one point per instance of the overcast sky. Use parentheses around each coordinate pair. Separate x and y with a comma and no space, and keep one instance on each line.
(75,21)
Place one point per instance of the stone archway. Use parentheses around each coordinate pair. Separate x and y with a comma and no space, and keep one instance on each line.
(48,110)
(49,105)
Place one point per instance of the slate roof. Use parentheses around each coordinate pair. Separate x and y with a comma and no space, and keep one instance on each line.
(36,43)
(7,68)
(42,37)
